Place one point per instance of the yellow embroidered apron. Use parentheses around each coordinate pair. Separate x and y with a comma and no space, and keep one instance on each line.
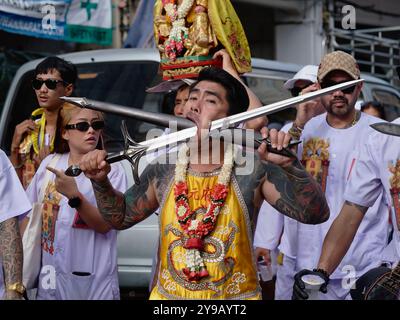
(228,252)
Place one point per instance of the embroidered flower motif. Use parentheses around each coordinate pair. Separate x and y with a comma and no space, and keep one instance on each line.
(225,210)
(233,288)
(165,274)
(239,277)
(170,285)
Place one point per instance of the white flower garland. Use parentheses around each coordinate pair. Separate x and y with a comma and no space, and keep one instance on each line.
(183,162)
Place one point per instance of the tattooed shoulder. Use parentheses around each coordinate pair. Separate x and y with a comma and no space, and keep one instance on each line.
(162,174)
(249,184)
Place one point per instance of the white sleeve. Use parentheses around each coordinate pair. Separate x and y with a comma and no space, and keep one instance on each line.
(364,185)
(118,178)
(13,201)
(269,227)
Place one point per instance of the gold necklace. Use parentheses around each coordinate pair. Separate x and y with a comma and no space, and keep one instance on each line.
(355,120)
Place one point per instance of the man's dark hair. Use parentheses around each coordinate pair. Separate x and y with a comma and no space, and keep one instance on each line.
(236,93)
(375,105)
(66,69)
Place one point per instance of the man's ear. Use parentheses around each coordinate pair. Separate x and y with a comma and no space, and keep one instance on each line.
(68,89)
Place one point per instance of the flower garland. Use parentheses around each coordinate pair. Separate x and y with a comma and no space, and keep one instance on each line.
(179,32)
(195,228)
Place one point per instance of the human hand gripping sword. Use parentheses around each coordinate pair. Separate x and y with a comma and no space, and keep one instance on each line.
(133,151)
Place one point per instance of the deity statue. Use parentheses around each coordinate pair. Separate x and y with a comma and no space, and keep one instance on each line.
(188,32)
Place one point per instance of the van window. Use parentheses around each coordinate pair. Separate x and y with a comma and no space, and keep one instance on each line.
(122,83)
(270,90)
(390,103)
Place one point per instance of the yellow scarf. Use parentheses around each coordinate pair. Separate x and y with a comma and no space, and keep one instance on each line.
(37,136)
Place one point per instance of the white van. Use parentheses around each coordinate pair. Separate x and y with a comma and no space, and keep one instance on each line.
(120,76)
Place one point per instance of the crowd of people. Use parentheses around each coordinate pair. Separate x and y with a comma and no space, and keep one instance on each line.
(331,212)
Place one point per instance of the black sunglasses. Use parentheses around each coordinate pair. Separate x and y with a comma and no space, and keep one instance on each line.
(327,84)
(50,83)
(84,126)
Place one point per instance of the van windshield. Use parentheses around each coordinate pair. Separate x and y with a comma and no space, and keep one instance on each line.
(122,83)
(390,103)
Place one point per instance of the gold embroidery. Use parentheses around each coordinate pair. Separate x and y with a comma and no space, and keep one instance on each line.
(395,190)
(315,158)
(237,279)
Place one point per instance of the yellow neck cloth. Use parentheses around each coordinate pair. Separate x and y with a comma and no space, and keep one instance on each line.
(37,136)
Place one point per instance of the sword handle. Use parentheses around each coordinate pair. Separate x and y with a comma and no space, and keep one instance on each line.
(74,170)
(258,140)
(253,139)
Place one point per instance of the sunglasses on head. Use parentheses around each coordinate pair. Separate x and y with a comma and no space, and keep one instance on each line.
(50,83)
(327,84)
(84,126)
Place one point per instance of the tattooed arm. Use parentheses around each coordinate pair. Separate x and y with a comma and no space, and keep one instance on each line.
(11,252)
(293,192)
(340,235)
(123,211)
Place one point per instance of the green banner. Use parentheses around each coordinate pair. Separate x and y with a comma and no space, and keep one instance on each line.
(89,21)
(85,34)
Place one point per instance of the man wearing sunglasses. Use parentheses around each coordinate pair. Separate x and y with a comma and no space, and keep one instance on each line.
(329,153)
(33,138)
(377,170)
(274,230)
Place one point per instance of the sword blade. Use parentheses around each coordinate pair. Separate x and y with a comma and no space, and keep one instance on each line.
(185,134)
(152,117)
(392,129)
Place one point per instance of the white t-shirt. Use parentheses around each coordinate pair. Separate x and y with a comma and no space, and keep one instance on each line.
(376,171)
(271,224)
(84,261)
(13,201)
(339,147)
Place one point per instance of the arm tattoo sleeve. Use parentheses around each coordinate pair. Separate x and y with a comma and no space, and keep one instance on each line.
(140,201)
(362,209)
(11,251)
(301,197)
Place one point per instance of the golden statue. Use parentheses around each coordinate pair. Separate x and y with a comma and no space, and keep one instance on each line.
(188,32)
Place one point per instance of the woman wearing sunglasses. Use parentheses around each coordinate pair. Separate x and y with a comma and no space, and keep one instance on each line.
(79,253)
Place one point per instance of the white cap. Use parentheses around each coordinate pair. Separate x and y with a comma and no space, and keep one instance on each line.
(308,72)
(358,104)
(170,85)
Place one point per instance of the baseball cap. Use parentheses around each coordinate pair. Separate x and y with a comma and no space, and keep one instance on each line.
(170,85)
(338,60)
(308,73)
